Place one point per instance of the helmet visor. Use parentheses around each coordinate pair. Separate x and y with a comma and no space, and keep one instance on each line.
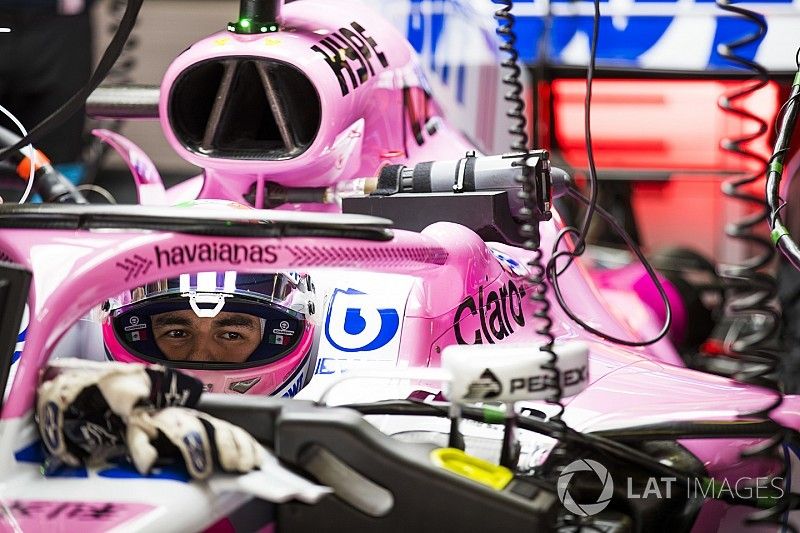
(213,320)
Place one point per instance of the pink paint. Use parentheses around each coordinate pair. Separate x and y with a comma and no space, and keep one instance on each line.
(451,261)
(359,132)
(148,182)
(462,292)
(225,525)
(49,516)
(634,281)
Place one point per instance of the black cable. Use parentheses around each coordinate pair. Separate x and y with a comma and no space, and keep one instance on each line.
(528,229)
(74,104)
(48,182)
(587,131)
(516,113)
(120,74)
(579,246)
(785,124)
(611,221)
(749,292)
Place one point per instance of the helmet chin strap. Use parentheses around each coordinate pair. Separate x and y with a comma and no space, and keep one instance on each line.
(196,298)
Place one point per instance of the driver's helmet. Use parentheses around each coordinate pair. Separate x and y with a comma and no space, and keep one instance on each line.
(237,333)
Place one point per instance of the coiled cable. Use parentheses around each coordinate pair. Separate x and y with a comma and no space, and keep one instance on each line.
(528,229)
(508,44)
(749,292)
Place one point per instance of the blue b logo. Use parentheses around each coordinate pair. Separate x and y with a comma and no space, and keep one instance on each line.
(353,324)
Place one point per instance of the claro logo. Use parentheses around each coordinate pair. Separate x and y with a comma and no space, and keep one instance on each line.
(499,313)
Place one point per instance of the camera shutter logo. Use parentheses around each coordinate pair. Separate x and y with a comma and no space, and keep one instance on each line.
(584,509)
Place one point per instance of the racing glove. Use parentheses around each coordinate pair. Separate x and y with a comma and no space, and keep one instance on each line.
(203,442)
(82,405)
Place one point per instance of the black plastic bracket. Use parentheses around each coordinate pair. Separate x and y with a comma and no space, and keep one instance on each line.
(486,212)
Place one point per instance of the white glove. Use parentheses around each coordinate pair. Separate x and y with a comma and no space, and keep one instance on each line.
(202,441)
(82,405)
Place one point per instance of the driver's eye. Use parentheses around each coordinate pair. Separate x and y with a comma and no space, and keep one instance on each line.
(176,334)
(231,336)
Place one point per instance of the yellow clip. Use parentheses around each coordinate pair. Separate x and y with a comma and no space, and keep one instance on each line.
(222,41)
(463,464)
(271,41)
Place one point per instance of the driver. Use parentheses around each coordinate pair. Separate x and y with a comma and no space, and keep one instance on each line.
(226,338)
(238,333)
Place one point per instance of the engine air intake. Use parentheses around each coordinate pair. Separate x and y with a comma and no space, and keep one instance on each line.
(244,108)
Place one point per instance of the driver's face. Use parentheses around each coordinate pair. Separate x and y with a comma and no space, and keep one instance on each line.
(226,338)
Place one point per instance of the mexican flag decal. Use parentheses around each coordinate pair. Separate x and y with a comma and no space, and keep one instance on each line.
(279,339)
(138,335)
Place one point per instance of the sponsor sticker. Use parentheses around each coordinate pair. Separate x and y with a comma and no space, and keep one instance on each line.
(135,324)
(283,330)
(496,314)
(282,340)
(59,515)
(354,324)
(136,336)
(509,264)
(352,55)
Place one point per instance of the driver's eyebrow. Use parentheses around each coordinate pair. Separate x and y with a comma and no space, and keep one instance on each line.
(235,320)
(171,319)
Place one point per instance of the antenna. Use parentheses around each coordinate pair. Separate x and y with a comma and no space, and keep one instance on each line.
(257,16)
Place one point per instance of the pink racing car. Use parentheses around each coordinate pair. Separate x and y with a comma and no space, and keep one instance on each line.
(645,422)
(232,103)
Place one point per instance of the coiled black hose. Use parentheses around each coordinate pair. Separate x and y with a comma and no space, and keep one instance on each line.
(528,230)
(750,293)
(537,277)
(505,29)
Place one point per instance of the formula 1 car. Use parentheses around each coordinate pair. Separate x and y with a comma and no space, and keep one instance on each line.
(289,127)
(486,306)
(669,414)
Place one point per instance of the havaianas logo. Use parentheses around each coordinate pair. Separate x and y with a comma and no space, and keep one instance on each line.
(353,324)
(234,254)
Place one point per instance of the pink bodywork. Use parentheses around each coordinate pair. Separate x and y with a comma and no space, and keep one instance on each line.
(452,263)
(46,516)
(361,132)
